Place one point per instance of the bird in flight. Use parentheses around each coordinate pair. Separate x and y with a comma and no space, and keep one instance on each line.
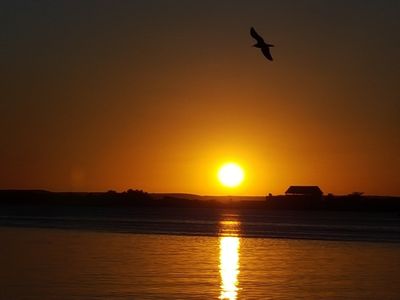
(261,44)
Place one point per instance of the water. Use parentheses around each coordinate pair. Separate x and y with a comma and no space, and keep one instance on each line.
(216,256)
(324,225)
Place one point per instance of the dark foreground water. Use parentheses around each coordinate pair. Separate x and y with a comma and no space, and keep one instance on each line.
(190,255)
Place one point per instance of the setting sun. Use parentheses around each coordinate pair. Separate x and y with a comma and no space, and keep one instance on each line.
(231,175)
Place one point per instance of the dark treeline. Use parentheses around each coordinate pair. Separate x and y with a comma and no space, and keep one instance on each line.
(352,202)
(110,198)
(132,198)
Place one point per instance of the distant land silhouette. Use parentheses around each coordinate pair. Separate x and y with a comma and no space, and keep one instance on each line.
(138,198)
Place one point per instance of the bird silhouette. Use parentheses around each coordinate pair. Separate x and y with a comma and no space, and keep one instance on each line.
(261,44)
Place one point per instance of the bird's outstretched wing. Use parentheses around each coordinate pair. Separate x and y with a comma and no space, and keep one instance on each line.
(255,35)
(267,53)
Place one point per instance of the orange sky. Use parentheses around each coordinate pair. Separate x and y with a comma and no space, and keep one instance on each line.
(156,95)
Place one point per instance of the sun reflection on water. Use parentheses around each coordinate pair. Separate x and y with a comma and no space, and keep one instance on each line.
(229,244)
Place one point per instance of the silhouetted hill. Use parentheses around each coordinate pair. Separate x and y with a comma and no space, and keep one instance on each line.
(206,198)
(132,198)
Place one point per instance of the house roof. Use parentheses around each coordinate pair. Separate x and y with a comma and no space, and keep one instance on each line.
(304,190)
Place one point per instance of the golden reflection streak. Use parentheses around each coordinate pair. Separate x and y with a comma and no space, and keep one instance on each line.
(229,263)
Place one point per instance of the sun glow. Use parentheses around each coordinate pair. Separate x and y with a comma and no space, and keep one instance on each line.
(231,175)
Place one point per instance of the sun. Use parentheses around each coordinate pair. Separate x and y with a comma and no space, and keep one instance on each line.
(231,175)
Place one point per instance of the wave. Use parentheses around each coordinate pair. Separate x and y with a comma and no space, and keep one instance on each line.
(287,225)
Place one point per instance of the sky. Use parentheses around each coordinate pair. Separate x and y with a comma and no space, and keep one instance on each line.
(157,95)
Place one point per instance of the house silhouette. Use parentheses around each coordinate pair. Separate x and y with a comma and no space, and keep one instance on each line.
(302,190)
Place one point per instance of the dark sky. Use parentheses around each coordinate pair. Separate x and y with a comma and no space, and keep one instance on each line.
(156,95)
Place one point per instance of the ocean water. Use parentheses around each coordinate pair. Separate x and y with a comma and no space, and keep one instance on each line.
(222,256)
(203,221)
